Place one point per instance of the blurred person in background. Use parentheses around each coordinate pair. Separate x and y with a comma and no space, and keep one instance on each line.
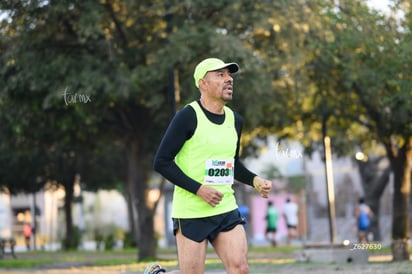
(27,231)
(290,213)
(271,218)
(363,215)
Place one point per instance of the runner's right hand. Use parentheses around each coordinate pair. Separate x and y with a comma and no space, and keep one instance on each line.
(210,195)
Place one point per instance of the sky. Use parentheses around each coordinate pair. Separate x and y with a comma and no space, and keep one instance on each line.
(379,4)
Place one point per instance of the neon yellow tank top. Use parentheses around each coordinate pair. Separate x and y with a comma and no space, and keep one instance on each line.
(208,158)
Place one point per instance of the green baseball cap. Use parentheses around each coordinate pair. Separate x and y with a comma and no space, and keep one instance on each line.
(211,64)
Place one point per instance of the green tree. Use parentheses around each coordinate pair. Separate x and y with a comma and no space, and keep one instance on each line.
(367,76)
(302,76)
(117,54)
(46,81)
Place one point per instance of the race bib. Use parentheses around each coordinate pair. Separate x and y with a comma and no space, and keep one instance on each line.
(219,172)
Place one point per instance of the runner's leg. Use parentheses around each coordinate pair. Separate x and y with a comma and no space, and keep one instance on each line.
(231,247)
(192,255)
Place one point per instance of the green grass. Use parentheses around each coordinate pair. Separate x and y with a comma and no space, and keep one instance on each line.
(38,258)
(266,255)
(32,263)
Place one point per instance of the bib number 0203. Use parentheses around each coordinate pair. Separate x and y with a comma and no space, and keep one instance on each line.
(219,172)
(216,172)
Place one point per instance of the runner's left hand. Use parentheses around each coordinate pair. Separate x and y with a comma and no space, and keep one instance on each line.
(263,186)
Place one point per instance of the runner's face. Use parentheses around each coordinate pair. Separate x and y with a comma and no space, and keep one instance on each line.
(219,84)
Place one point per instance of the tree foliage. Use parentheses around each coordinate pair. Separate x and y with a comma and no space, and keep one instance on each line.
(88,87)
(368,78)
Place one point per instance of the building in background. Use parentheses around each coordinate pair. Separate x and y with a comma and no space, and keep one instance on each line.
(101,213)
(6,217)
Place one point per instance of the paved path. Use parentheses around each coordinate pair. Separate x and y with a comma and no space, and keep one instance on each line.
(372,268)
(259,263)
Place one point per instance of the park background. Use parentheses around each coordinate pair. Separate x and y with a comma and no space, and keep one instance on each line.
(87,89)
(102,218)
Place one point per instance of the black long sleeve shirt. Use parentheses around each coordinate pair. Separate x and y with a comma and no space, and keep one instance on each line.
(182,128)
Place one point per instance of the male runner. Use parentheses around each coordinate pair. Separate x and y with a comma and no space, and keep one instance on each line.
(199,154)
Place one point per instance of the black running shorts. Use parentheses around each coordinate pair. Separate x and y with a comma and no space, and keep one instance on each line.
(199,229)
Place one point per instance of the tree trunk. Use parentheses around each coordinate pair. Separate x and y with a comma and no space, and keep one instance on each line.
(374,203)
(401,164)
(68,183)
(382,182)
(138,175)
(374,182)
(131,213)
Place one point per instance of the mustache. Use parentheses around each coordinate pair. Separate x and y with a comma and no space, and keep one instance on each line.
(228,85)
